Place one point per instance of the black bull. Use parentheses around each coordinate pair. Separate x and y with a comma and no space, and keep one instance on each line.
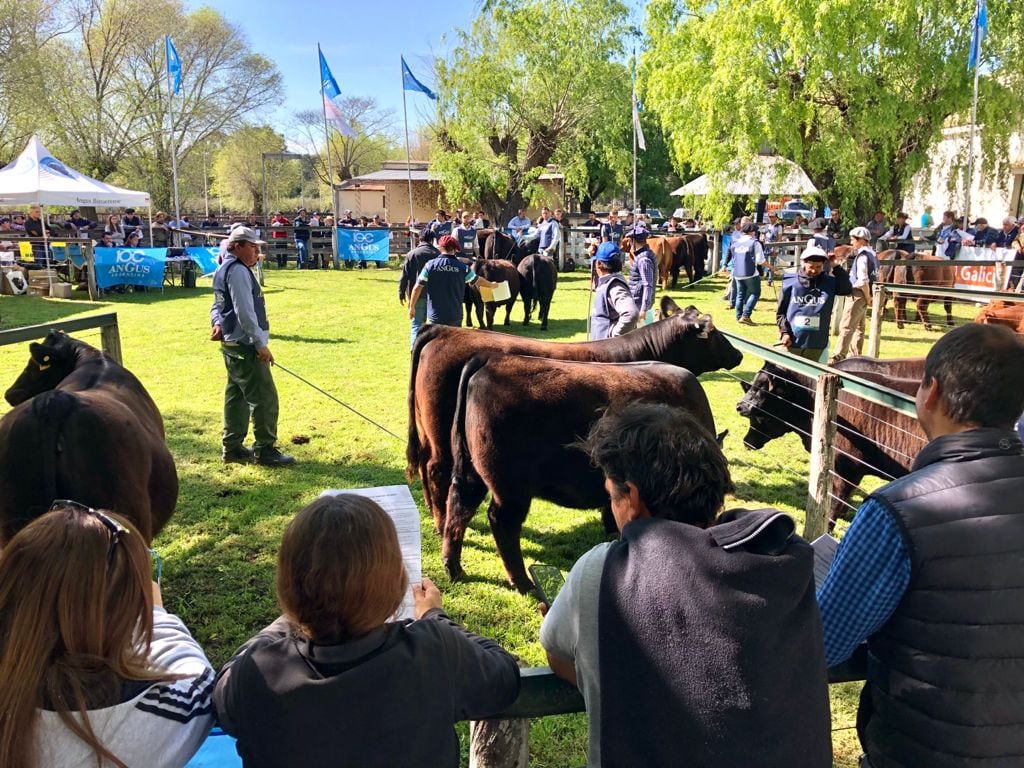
(83,428)
(871,439)
(518,442)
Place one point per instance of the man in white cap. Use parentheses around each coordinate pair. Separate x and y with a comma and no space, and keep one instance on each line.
(239,319)
(863,273)
(804,314)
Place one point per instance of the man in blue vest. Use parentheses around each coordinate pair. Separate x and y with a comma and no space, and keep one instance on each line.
(747,256)
(643,272)
(413,265)
(444,279)
(615,312)
(929,572)
(550,233)
(465,233)
(239,320)
(947,236)
(805,305)
(820,237)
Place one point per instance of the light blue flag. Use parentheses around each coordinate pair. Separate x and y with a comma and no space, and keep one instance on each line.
(410,83)
(332,99)
(979,28)
(173,65)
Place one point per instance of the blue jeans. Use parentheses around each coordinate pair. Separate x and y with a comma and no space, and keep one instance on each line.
(748,291)
(300,258)
(418,320)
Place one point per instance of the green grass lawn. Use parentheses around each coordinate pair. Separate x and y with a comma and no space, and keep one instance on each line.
(347,333)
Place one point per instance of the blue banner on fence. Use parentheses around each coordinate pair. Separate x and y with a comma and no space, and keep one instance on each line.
(205,259)
(356,244)
(130,266)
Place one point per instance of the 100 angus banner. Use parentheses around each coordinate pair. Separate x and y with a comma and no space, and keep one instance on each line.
(130,266)
(357,244)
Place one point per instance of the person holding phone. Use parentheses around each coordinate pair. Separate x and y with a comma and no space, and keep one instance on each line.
(695,638)
(93,668)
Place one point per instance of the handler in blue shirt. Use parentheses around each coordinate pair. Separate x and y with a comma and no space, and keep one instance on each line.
(929,572)
(804,314)
(445,279)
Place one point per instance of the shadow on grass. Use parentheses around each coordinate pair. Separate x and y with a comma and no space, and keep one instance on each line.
(310,339)
(19,311)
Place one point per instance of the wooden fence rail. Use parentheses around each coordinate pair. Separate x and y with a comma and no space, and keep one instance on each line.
(110,336)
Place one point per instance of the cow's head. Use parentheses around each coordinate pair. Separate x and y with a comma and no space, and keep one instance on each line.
(692,341)
(772,403)
(48,364)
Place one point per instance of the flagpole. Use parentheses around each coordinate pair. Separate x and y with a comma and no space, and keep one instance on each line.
(327,133)
(408,160)
(174,149)
(633,113)
(970,146)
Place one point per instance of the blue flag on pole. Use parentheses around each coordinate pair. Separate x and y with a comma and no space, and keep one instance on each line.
(332,99)
(410,83)
(979,28)
(173,65)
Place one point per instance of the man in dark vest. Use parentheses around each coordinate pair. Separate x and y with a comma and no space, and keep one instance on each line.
(239,319)
(615,312)
(929,572)
(804,314)
(747,256)
(643,272)
(414,263)
(694,641)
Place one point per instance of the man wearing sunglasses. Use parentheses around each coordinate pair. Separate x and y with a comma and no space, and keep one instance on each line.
(239,318)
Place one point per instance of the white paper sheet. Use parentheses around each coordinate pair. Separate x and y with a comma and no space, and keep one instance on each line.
(501,292)
(398,502)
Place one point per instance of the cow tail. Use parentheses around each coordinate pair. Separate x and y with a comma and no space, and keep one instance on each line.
(50,411)
(462,465)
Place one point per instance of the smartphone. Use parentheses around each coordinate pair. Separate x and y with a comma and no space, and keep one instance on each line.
(549,581)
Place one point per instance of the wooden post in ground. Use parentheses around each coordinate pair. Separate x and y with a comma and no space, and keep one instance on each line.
(110,339)
(499,743)
(875,338)
(823,449)
(90,272)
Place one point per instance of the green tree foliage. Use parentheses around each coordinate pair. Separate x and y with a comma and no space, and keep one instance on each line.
(855,91)
(238,169)
(528,82)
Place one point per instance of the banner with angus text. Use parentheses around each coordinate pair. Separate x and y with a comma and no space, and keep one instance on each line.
(205,258)
(130,266)
(358,244)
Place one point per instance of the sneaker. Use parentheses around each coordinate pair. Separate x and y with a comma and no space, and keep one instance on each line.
(239,455)
(271,457)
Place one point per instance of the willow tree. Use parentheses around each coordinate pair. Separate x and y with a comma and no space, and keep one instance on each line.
(855,91)
(528,81)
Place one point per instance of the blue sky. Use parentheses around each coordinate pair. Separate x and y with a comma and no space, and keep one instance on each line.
(361,41)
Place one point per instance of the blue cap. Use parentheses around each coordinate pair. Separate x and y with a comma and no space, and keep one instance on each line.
(607,252)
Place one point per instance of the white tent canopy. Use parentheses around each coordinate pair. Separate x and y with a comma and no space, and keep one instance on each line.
(762,175)
(38,177)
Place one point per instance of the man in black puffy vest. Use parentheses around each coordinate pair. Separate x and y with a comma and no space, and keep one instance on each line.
(930,572)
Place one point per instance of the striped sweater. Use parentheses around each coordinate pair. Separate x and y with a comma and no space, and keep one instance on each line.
(159,725)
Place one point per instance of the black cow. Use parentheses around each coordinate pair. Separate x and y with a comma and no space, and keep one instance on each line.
(495,270)
(538,278)
(518,442)
(871,439)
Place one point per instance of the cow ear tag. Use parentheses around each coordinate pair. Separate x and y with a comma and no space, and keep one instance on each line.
(46,359)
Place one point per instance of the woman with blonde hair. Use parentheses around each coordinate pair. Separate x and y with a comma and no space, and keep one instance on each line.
(94,672)
(336,681)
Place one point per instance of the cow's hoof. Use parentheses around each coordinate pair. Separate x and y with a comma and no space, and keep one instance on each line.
(543,327)
(455,573)
(524,586)
(900,326)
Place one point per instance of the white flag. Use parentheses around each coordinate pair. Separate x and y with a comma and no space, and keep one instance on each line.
(636,126)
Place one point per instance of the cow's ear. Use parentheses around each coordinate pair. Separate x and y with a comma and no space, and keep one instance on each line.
(745,385)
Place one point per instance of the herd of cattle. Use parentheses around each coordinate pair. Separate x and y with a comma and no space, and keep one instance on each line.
(489,413)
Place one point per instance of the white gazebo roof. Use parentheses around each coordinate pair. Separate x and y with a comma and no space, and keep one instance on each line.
(762,175)
(38,177)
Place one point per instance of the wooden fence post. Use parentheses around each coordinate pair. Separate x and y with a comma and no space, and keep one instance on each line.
(823,448)
(875,339)
(110,340)
(90,272)
(499,743)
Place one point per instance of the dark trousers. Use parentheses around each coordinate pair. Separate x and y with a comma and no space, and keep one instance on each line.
(250,393)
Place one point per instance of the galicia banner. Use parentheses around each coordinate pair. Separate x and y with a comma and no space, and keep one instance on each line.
(205,259)
(357,244)
(130,266)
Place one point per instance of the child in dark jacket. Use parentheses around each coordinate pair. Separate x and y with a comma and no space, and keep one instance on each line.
(335,681)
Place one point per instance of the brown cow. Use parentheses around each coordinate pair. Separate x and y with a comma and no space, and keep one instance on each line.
(871,439)
(664,250)
(1008,313)
(691,255)
(940,277)
(83,428)
(495,270)
(518,442)
(689,340)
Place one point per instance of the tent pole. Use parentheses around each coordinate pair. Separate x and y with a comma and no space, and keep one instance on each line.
(46,249)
